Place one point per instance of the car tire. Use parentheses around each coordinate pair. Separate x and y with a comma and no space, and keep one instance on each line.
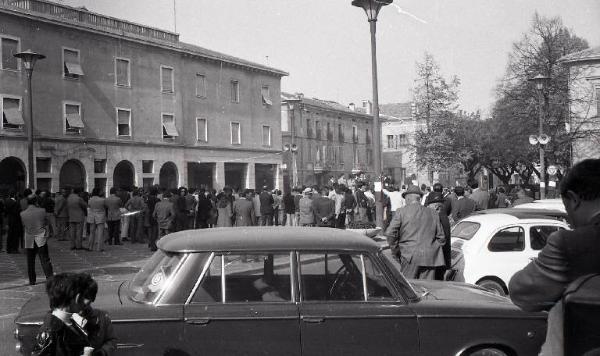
(492,286)
(488,352)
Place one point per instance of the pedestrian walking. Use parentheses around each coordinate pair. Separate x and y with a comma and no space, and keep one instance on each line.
(416,236)
(97,220)
(243,210)
(362,203)
(307,216)
(164,213)
(190,208)
(123,194)
(349,206)
(76,209)
(438,204)
(35,239)
(567,256)
(113,216)
(277,208)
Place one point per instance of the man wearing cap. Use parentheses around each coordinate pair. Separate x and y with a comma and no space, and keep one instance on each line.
(416,237)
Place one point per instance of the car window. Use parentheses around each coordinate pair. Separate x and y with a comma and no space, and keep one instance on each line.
(155,275)
(538,235)
(509,239)
(465,230)
(340,276)
(247,278)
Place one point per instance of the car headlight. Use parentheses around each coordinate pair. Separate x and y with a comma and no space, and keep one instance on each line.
(16,333)
(18,347)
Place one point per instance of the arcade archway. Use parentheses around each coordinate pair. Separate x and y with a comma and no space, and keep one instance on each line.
(124,175)
(168,177)
(12,175)
(72,174)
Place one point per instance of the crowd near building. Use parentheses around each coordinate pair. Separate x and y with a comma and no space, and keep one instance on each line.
(121,104)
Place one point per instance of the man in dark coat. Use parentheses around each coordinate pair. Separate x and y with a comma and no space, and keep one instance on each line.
(416,237)
(438,204)
(324,209)
(243,210)
(204,207)
(566,256)
(266,207)
(462,207)
(77,209)
(13,220)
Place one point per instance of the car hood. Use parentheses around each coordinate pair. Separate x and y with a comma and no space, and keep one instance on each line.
(35,309)
(455,291)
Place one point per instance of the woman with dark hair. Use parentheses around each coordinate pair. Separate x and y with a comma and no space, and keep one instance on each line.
(96,219)
(95,322)
(59,335)
(225,213)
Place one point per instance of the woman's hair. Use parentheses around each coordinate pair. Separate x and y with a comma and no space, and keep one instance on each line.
(86,286)
(61,289)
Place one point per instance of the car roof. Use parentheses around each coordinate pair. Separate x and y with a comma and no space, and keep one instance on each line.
(527,213)
(266,239)
(494,220)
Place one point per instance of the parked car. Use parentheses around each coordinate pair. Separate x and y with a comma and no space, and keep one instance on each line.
(546,204)
(488,248)
(299,291)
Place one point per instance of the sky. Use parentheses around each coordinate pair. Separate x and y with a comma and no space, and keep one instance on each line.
(325,44)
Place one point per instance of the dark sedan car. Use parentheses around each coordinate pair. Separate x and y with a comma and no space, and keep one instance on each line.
(296,291)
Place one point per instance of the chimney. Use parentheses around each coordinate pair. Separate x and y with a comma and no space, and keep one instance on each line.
(368,106)
(351,106)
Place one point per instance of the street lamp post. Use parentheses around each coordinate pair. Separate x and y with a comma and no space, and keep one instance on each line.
(541,82)
(29,58)
(372,8)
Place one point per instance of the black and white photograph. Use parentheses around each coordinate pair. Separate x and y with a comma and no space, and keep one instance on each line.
(287,177)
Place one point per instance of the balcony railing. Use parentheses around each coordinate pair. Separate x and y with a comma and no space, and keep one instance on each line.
(85,17)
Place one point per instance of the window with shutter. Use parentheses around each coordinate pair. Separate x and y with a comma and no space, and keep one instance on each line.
(201,130)
(9,47)
(71,65)
(168,126)
(266,136)
(235,133)
(12,118)
(123,122)
(73,121)
(200,85)
(235,91)
(122,72)
(166,79)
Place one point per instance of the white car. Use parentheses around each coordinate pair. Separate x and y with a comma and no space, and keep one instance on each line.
(488,249)
(546,204)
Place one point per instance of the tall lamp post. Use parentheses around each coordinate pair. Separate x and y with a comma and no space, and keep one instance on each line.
(29,58)
(541,82)
(372,8)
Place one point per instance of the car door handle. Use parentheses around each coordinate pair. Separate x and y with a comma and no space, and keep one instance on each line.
(198,321)
(313,320)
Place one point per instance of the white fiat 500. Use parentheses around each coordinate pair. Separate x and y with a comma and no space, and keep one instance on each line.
(488,249)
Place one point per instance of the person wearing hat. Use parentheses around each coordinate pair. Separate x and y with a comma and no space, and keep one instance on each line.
(34,223)
(307,216)
(437,202)
(416,237)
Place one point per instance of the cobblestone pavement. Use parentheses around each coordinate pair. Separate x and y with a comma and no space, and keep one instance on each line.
(114,263)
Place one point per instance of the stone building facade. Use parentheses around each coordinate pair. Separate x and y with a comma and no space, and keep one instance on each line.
(584,98)
(122,104)
(330,140)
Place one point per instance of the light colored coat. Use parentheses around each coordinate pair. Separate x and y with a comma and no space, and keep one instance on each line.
(97,210)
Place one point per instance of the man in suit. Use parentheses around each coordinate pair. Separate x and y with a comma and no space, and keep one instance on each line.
(76,209)
(324,209)
(462,206)
(243,209)
(266,207)
(34,223)
(566,256)
(479,196)
(113,216)
(62,214)
(416,237)
(13,220)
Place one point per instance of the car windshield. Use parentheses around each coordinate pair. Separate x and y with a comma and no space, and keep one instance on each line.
(155,276)
(465,230)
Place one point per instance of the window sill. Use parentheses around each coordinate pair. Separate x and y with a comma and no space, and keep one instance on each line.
(124,137)
(74,79)
(167,92)
(123,86)
(201,96)
(18,70)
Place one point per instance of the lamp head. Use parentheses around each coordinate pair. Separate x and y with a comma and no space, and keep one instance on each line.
(29,58)
(294,147)
(371,7)
(533,139)
(540,81)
